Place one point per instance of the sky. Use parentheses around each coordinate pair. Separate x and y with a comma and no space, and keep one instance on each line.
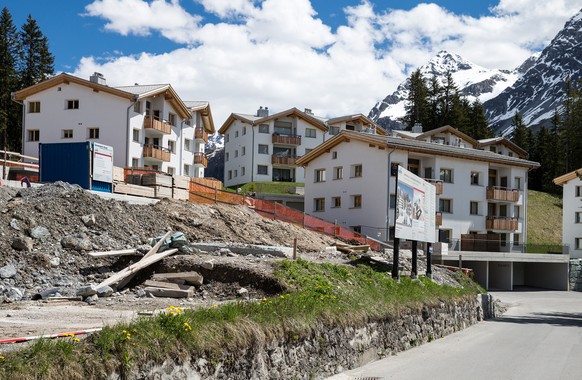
(336,57)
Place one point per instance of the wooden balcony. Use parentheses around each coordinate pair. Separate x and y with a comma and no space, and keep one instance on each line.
(501,223)
(502,194)
(283,160)
(200,159)
(157,125)
(201,134)
(156,152)
(437,183)
(438,220)
(286,139)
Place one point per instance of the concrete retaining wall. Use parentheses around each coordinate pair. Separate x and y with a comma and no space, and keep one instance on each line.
(329,350)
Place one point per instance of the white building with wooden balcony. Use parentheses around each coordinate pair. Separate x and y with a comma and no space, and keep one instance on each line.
(572,211)
(265,148)
(147,125)
(350,179)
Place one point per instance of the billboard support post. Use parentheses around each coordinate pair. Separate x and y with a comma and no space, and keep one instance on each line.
(429,260)
(395,273)
(414,271)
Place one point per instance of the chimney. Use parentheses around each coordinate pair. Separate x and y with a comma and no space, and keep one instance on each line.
(417,128)
(97,78)
(308,111)
(263,112)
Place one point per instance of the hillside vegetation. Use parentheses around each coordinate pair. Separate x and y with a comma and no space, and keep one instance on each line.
(544,218)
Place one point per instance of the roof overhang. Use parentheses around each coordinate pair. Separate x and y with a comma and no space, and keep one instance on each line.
(561,180)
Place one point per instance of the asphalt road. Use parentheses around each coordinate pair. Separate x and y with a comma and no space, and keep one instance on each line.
(539,337)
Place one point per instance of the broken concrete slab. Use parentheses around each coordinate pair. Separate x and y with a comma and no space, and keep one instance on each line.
(247,249)
(170,293)
(191,278)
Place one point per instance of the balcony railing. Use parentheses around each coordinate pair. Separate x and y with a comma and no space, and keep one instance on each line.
(501,223)
(158,125)
(286,139)
(200,159)
(438,220)
(283,160)
(201,134)
(496,193)
(156,152)
(437,183)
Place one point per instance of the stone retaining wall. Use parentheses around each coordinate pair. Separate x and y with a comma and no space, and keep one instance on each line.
(330,350)
(576,275)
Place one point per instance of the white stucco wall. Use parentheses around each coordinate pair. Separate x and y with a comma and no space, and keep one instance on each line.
(571,229)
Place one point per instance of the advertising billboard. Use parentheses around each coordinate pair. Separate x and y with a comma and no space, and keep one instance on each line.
(415,208)
(102,163)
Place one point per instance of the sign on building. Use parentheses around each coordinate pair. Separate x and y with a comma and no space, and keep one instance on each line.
(415,208)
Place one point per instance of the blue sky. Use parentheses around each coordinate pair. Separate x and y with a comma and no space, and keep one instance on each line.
(335,57)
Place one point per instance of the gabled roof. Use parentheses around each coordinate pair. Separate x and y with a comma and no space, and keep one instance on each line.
(417,146)
(255,120)
(503,141)
(453,131)
(561,180)
(146,91)
(65,78)
(357,117)
(204,108)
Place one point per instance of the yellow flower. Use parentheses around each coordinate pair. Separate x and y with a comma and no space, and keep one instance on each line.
(187,326)
(76,339)
(2,357)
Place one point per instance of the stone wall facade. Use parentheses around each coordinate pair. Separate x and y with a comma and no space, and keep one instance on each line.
(330,350)
(576,275)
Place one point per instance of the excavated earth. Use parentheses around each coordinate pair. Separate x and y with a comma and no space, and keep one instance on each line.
(47,232)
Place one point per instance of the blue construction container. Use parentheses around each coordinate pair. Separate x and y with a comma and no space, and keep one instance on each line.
(73,163)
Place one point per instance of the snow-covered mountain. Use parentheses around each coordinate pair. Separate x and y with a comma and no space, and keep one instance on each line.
(215,153)
(473,81)
(541,89)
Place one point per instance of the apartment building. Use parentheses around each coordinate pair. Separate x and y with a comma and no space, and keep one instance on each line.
(481,186)
(147,125)
(572,211)
(264,148)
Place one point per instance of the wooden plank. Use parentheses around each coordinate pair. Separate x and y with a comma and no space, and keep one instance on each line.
(171,293)
(155,179)
(141,191)
(122,252)
(133,179)
(166,285)
(162,191)
(134,268)
(118,174)
(181,182)
(180,194)
(192,278)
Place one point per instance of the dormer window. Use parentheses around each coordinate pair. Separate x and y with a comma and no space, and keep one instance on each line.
(438,140)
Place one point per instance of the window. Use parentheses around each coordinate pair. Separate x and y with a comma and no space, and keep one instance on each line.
(172,146)
(242,171)
(319,204)
(357,170)
(172,119)
(171,170)
(137,107)
(310,132)
(319,175)
(333,155)
(438,140)
(336,202)
(578,191)
(516,238)
(33,135)
(93,133)
(517,183)
(394,169)
(445,236)
(262,169)
(244,151)
(474,208)
(235,134)
(578,217)
(334,130)
(263,128)
(226,137)
(244,131)
(263,149)
(235,173)
(578,243)
(236,153)
(357,229)
(227,156)
(230,174)
(474,178)
(33,107)
(73,104)
(135,162)
(503,211)
(445,205)
(338,172)
(136,135)
(307,150)
(356,201)
(67,134)
(186,169)
(493,149)
(516,212)
(187,145)
(447,175)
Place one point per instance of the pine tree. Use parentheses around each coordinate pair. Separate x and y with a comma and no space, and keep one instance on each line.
(9,111)
(37,62)
(479,125)
(519,136)
(434,99)
(416,106)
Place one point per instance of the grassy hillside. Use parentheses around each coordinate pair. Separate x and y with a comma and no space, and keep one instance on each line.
(544,218)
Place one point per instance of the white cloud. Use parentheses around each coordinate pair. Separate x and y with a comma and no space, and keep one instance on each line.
(259,55)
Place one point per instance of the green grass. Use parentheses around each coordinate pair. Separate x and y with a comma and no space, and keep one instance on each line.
(269,187)
(321,294)
(544,221)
